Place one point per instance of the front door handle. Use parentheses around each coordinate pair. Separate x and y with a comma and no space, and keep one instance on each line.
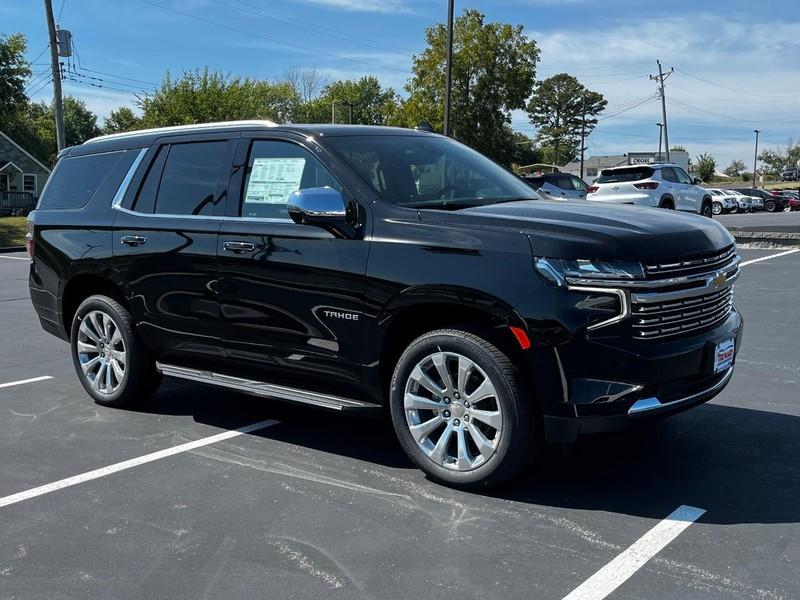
(133,240)
(239,247)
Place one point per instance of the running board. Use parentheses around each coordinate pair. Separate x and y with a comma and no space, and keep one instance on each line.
(259,388)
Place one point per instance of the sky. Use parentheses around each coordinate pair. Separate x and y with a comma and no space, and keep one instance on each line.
(736,63)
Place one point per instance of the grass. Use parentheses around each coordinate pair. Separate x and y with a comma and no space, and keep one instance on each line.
(12,231)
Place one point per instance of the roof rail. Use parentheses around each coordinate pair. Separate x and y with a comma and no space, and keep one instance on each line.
(180,128)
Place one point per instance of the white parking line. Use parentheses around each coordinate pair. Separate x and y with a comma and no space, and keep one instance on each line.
(755,260)
(15,257)
(619,570)
(133,462)
(24,381)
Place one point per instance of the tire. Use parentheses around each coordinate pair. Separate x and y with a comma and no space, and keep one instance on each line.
(109,358)
(465,460)
(734,209)
(716,208)
(706,210)
(667,203)
(770,206)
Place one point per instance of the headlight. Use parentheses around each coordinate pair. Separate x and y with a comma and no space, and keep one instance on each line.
(558,270)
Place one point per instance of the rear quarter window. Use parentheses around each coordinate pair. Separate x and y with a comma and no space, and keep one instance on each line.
(75,180)
(626,174)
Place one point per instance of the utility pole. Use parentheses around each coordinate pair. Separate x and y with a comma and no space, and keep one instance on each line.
(660,133)
(56,72)
(583,132)
(448,69)
(333,112)
(755,160)
(661,78)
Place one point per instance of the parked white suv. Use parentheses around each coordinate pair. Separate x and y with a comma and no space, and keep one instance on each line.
(723,201)
(658,185)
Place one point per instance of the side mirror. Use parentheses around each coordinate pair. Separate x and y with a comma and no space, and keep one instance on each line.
(320,207)
(697,181)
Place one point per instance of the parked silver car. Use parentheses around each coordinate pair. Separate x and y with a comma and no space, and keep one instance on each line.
(723,201)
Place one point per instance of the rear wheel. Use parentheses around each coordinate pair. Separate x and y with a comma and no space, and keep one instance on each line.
(459,411)
(667,203)
(110,359)
(716,208)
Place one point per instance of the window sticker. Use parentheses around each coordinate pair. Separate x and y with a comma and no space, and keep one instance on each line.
(272,180)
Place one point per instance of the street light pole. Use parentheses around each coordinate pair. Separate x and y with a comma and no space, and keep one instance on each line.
(448,69)
(755,160)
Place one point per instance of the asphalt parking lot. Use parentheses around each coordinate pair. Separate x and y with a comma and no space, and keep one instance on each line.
(314,505)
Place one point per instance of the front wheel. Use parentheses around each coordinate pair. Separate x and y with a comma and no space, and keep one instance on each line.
(716,208)
(110,360)
(459,410)
(707,210)
(770,206)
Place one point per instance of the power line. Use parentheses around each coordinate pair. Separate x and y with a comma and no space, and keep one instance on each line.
(273,40)
(39,89)
(300,24)
(104,86)
(749,91)
(61,10)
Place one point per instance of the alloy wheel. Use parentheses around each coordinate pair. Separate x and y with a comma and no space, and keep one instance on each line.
(717,208)
(101,352)
(453,411)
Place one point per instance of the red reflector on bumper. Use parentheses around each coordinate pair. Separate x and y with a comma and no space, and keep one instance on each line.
(522,338)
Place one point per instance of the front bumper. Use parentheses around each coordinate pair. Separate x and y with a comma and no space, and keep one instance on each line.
(590,383)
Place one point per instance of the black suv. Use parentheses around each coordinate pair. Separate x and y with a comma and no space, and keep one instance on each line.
(355,268)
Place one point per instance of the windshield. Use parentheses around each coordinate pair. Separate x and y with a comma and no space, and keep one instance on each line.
(429,172)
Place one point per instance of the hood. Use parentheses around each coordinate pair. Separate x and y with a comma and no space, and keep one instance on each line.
(592,230)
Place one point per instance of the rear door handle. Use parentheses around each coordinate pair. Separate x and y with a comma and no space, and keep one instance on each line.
(133,240)
(239,247)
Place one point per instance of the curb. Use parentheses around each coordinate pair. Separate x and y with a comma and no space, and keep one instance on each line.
(13,249)
(767,239)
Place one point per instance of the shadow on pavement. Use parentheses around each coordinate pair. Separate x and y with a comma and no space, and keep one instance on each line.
(741,465)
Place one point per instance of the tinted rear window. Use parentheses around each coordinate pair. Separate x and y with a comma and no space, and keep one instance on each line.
(621,175)
(75,180)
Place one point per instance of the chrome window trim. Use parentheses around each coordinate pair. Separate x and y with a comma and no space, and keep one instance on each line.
(116,202)
(204,217)
(625,305)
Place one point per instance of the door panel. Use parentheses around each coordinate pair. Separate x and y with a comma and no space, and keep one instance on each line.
(291,308)
(291,296)
(171,278)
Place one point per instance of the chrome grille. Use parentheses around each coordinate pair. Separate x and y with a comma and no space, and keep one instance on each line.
(662,319)
(679,268)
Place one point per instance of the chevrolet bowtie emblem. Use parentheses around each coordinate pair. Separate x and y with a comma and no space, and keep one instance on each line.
(717,281)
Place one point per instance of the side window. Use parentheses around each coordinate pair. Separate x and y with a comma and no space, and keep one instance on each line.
(683,177)
(75,180)
(276,169)
(190,180)
(565,183)
(667,174)
(146,199)
(579,184)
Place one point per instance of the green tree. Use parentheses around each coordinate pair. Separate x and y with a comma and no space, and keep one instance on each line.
(772,162)
(706,166)
(494,69)
(525,150)
(120,120)
(735,169)
(201,96)
(364,100)
(80,124)
(14,74)
(677,148)
(561,107)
